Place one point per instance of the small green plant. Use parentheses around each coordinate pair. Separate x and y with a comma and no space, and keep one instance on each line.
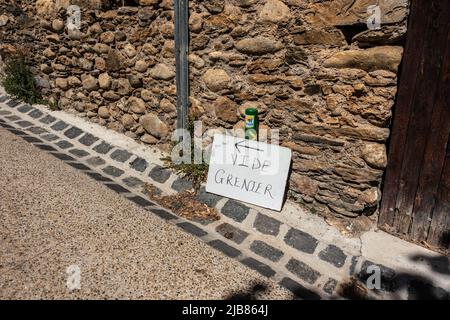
(19,80)
(196,173)
(53,103)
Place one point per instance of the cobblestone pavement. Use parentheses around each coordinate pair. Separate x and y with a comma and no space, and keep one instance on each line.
(294,248)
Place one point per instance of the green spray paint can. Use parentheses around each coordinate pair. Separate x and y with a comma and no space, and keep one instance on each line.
(251,124)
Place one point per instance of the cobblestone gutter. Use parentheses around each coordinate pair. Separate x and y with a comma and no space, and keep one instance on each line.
(295,248)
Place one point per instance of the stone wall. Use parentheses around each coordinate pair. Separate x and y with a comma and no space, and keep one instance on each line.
(118,71)
(313,69)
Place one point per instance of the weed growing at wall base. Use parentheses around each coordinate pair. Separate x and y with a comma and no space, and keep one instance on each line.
(196,172)
(19,80)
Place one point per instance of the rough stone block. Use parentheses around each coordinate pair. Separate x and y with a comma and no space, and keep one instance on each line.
(133,182)
(235,210)
(120,155)
(50,137)
(139,164)
(79,153)
(262,268)
(98,177)
(113,171)
(301,240)
(192,229)
(73,132)
(333,255)
(303,271)
(25,108)
(35,114)
(88,139)
(37,130)
(267,251)
(32,139)
(60,125)
(232,233)
(24,124)
(50,148)
(299,290)
(225,248)
(209,199)
(61,156)
(103,147)
(141,201)
(159,174)
(63,144)
(181,185)
(329,286)
(163,214)
(267,225)
(95,161)
(117,188)
(79,166)
(48,119)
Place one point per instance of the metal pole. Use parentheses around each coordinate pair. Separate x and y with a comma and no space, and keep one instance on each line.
(182,65)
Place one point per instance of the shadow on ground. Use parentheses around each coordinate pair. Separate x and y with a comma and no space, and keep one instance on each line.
(394,285)
(251,293)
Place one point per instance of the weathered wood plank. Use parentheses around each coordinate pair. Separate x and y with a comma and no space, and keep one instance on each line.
(435,152)
(422,110)
(439,233)
(415,39)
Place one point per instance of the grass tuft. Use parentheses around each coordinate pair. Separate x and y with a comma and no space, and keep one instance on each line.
(19,81)
(196,173)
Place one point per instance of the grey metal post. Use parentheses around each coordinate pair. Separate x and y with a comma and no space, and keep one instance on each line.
(182,65)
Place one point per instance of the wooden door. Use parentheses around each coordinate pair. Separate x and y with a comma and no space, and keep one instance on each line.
(416,192)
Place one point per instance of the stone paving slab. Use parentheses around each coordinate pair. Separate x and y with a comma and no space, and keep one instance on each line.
(291,247)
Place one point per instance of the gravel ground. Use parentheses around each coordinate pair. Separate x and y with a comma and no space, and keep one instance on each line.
(53,217)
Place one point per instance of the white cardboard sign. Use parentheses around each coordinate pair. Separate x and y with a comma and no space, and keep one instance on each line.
(250,171)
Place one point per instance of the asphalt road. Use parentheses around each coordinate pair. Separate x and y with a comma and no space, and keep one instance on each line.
(58,226)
